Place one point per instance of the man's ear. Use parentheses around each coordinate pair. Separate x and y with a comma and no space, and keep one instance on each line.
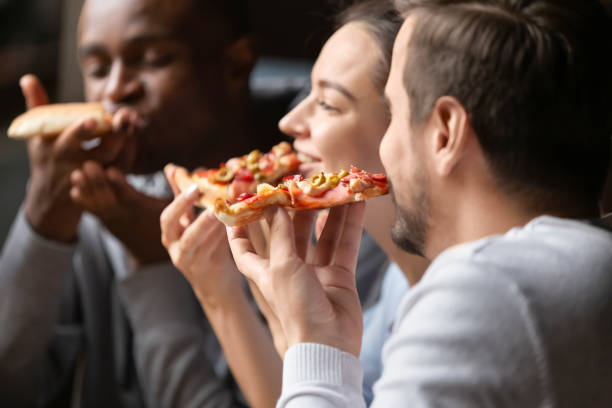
(240,59)
(451,128)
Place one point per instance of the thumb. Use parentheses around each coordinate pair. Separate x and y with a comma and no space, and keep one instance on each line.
(170,170)
(33,91)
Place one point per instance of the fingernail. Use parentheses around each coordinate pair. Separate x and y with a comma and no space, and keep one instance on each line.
(190,192)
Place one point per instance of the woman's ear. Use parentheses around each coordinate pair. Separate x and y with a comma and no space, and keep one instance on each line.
(451,133)
(240,59)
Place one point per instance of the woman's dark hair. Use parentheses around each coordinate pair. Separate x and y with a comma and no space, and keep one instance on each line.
(383,22)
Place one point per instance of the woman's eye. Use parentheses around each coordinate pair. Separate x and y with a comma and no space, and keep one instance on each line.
(326,106)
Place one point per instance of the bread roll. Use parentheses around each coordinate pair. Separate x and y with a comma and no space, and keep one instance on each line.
(51,120)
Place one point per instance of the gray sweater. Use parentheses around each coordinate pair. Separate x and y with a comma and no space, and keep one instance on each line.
(519,320)
(79,327)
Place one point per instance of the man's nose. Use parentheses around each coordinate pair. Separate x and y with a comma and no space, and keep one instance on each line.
(123,86)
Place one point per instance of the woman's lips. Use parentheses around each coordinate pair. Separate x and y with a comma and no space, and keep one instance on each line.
(310,164)
(308,169)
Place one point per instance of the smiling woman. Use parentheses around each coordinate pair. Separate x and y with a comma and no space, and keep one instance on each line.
(339,124)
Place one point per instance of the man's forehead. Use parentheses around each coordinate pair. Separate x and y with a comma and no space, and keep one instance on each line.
(400,47)
(398,60)
(161,12)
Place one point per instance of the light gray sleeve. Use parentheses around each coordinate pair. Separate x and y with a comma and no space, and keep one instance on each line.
(173,366)
(316,375)
(32,270)
(469,341)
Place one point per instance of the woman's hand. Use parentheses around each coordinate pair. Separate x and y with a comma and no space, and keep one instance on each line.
(315,300)
(198,247)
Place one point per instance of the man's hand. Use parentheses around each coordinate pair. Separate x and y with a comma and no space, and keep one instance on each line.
(132,217)
(315,300)
(48,206)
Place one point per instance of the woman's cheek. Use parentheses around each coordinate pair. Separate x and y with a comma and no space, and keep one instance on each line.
(329,144)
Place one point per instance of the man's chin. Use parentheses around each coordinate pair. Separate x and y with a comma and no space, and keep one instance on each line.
(409,231)
(127,159)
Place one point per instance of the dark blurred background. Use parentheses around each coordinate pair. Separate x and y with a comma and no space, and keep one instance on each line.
(39,36)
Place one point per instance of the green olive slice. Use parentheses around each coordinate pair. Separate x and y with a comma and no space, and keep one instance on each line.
(224,175)
(253,157)
(317,179)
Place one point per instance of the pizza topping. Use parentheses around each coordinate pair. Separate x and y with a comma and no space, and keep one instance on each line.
(318,179)
(357,185)
(235,164)
(244,196)
(297,177)
(320,191)
(379,177)
(224,175)
(244,175)
(281,149)
(266,163)
(252,161)
(264,187)
(259,177)
(254,156)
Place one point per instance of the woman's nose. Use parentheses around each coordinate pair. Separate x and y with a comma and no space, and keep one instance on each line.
(295,123)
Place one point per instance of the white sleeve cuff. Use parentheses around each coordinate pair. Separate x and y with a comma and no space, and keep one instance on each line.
(312,362)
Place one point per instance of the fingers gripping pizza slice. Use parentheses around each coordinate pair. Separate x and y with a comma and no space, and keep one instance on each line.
(239,175)
(323,190)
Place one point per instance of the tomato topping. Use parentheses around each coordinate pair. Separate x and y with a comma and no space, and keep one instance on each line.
(355,170)
(267,162)
(380,177)
(244,175)
(244,196)
(297,177)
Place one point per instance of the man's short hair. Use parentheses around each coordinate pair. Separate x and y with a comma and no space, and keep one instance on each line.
(535,78)
(233,14)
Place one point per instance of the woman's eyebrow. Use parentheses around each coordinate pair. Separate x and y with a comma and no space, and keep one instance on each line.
(323,83)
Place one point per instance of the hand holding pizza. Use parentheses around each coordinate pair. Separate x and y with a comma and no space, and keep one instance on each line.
(48,206)
(198,247)
(315,300)
(131,216)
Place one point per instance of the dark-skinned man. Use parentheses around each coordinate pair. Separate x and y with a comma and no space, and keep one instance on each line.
(91,310)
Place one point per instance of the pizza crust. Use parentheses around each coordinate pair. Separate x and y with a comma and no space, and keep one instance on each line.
(184,180)
(51,120)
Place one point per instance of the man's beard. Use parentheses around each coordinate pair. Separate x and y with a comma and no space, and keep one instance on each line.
(409,231)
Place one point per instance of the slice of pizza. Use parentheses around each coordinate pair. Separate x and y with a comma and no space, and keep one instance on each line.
(323,190)
(239,175)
